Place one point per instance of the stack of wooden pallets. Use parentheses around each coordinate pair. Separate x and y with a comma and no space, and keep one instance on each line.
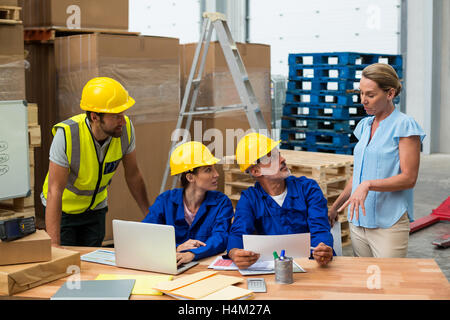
(331,171)
(24,206)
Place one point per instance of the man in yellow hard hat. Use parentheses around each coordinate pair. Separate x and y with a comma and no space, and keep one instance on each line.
(278,203)
(86,151)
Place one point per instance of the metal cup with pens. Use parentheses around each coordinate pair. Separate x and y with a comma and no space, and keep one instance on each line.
(284,272)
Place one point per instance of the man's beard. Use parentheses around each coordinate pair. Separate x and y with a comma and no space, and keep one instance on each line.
(279,174)
(112,133)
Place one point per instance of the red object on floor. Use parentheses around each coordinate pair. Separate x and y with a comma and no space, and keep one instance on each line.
(443,242)
(440,213)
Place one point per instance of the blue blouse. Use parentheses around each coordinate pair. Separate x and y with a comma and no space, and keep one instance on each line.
(379,159)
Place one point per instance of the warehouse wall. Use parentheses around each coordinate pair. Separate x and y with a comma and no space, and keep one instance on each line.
(444,132)
(175,18)
(293,26)
(428,71)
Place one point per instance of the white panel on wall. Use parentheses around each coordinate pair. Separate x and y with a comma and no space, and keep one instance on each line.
(166,18)
(294,26)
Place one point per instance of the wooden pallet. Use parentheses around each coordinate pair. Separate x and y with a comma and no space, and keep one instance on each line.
(48,34)
(331,171)
(10,15)
(11,214)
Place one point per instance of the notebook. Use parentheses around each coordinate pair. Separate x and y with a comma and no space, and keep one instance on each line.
(95,290)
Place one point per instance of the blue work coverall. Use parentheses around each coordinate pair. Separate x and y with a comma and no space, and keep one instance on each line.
(211,223)
(304,210)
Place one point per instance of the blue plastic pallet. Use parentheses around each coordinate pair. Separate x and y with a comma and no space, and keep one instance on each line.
(326,97)
(330,72)
(317,148)
(318,137)
(301,123)
(324,111)
(344,58)
(324,84)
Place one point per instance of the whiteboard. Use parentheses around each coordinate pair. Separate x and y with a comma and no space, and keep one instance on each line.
(14,156)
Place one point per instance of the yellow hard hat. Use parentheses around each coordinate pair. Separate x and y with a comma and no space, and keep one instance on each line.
(252,147)
(105,95)
(190,155)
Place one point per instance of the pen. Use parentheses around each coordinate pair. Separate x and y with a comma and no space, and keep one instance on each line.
(282,254)
(275,255)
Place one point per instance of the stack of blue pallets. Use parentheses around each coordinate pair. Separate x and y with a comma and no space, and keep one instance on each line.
(323,104)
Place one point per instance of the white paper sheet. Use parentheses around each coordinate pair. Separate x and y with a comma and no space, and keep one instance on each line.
(260,267)
(100,256)
(337,244)
(295,245)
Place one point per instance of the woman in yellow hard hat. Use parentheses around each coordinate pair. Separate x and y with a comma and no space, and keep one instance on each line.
(200,214)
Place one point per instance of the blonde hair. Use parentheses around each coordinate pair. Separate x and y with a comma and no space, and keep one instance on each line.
(384,75)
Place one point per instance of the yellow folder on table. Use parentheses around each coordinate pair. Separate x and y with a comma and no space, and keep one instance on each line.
(144,283)
(205,285)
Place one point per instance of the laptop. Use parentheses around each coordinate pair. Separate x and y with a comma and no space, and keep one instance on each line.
(146,246)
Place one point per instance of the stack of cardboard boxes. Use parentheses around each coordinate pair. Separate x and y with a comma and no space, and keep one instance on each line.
(31,261)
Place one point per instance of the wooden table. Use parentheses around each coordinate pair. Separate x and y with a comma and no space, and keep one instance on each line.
(345,278)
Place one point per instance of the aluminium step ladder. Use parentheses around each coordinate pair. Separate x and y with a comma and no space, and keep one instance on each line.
(249,104)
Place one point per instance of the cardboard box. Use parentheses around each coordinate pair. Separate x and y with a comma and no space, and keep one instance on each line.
(12,67)
(22,277)
(75,14)
(152,147)
(10,3)
(41,88)
(148,67)
(35,247)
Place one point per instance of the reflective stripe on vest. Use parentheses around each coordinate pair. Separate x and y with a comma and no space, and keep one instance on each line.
(88,177)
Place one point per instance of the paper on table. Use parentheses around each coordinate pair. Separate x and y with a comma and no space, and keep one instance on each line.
(337,243)
(225,264)
(143,284)
(205,287)
(100,256)
(296,245)
(222,264)
(270,269)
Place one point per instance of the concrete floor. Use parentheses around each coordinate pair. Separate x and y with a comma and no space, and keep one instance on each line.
(432,188)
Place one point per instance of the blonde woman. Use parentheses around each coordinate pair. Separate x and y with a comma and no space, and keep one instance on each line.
(386,166)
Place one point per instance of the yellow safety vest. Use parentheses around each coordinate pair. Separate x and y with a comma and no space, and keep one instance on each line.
(88,177)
